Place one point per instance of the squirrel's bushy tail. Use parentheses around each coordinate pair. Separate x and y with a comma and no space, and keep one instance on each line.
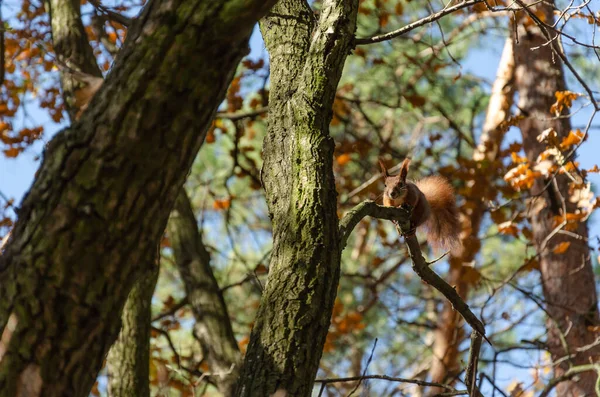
(443,225)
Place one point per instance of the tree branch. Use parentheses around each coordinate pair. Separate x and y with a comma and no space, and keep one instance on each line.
(172,310)
(471,371)
(421,267)
(392,379)
(416,24)
(368,208)
(112,15)
(235,116)
(569,375)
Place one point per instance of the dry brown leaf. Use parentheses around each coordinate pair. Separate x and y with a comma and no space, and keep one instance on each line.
(561,248)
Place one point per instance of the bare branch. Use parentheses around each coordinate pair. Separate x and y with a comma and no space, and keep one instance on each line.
(471,371)
(392,379)
(112,15)
(416,24)
(242,115)
(569,375)
(172,310)
(422,269)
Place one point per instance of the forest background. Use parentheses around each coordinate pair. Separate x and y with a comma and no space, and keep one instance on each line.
(424,95)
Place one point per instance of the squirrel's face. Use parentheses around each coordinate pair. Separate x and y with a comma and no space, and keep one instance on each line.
(395,188)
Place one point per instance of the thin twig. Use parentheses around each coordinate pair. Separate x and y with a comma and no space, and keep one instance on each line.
(112,15)
(172,310)
(471,371)
(572,372)
(390,379)
(235,116)
(366,368)
(416,24)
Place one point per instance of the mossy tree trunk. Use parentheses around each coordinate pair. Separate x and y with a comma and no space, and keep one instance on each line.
(128,361)
(213,327)
(567,278)
(102,196)
(307,57)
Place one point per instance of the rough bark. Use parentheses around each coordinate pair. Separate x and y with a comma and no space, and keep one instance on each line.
(449,332)
(306,58)
(213,327)
(128,361)
(567,279)
(102,197)
(72,49)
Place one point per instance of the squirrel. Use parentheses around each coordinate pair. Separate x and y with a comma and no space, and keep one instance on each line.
(433,204)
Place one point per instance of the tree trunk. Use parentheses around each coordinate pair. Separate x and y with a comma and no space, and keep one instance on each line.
(104,191)
(73,51)
(449,333)
(213,327)
(306,58)
(128,360)
(567,278)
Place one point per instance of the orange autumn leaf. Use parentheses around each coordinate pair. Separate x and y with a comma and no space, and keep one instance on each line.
(12,152)
(261,269)
(95,391)
(210,136)
(527,233)
(377,261)
(204,366)
(564,99)
(415,100)
(222,204)
(562,247)
(521,177)
(384,18)
(530,265)
(360,52)
(364,10)
(112,37)
(594,169)
(574,138)
(570,166)
(399,9)
(508,228)
(343,159)
(518,159)
(569,217)
(243,344)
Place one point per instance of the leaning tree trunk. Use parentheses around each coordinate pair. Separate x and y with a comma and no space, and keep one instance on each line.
(128,361)
(567,278)
(307,58)
(102,197)
(213,327)
(449,333)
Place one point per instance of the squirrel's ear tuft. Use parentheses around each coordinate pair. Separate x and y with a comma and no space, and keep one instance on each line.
(383,169)
(404,169)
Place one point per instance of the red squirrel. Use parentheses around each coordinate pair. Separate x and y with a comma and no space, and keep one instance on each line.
(433,204)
